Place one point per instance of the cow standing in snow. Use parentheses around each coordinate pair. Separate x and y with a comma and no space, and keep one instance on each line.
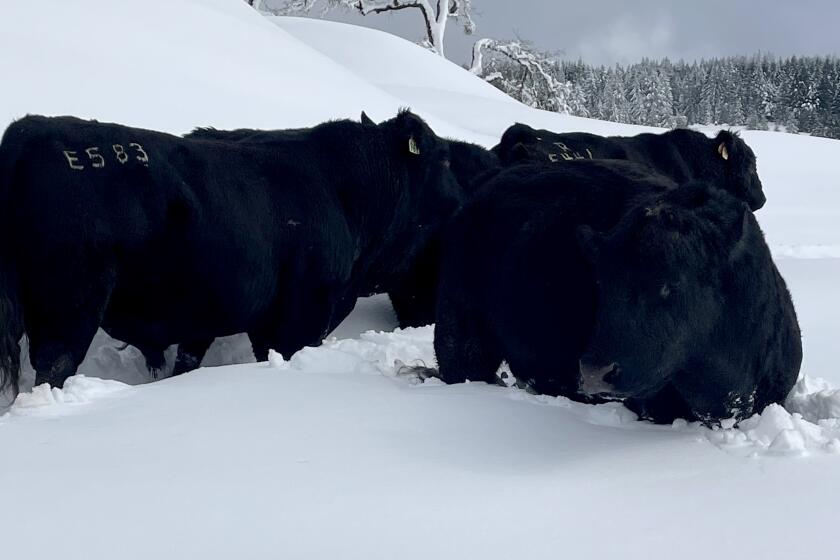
(679,308)
(681,154)
(161,239)
(412,293)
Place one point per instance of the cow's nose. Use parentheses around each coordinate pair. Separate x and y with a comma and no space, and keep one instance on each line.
(597,380)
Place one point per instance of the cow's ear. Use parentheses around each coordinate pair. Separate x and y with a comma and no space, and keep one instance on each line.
(366,120)
(726,145)
(591,242)
(415,136)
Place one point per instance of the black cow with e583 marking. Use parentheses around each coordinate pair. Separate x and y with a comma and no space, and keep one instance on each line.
(161,239)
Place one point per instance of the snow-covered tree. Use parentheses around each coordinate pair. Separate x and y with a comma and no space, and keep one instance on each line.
(660,100)
(614,105)
(532,77)
(436,13)
(636,96)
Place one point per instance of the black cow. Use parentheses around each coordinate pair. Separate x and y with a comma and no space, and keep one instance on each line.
(160,239)
(412,294)
(694,320)
(683,294)
(681,154)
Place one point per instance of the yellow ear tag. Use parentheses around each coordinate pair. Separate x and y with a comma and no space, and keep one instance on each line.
(412,146)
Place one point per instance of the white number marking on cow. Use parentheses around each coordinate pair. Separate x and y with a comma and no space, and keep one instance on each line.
(569,154)
(119,151)
(142,156)
(72,160)
(96,159)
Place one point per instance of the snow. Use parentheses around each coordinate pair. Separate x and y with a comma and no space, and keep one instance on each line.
(77,390)
(337,452)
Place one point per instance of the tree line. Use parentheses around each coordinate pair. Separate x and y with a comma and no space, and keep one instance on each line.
(796,94)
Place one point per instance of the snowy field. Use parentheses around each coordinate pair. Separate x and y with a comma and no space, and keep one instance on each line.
(332,454)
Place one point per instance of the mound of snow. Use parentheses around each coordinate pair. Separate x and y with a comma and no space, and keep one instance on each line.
(814,399)
(810,424)
(777,431)
(372,352)
(78,389)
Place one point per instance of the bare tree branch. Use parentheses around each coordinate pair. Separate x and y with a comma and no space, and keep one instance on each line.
(435,13)
(525,74)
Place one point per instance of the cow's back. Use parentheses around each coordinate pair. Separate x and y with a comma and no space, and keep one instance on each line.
(194,229)
(543,204)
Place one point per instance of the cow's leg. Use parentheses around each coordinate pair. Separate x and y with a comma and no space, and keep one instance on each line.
(155,361)
(60,334)
(717,395)
(303,321)
(662,408)
(463,347)
(190,354)
(414,304)
(554,377)
(415,295)
(340,312)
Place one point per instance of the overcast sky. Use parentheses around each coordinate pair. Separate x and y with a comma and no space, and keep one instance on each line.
(609,31)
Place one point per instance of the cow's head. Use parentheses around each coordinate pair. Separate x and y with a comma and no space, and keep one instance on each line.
(658,278)
(418,150)
(522,144)
(740,173)
(417,164)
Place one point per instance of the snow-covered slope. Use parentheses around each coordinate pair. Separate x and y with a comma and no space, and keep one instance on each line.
(333,454)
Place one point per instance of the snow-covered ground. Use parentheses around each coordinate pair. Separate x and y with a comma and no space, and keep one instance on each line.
(335,453)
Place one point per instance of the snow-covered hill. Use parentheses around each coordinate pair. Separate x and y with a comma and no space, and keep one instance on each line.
(332,454)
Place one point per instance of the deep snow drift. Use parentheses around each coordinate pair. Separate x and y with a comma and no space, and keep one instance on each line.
(334,453)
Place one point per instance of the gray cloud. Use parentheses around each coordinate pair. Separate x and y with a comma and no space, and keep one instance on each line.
(609,31)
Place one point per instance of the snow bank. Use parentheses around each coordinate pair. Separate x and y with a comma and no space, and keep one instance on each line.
(777,431)
(814,399)
(170,65)
(373,352)
(44,400)
(257,461)
(811,422)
